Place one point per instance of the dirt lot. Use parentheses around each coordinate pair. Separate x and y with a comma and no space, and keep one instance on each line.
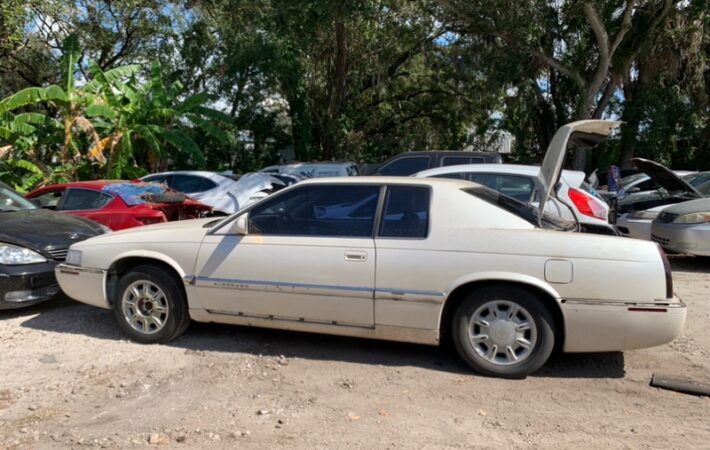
(68,378)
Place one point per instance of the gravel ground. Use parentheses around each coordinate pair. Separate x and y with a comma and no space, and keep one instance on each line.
(69,378)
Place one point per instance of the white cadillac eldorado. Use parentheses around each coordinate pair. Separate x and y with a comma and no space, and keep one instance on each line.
(402,259)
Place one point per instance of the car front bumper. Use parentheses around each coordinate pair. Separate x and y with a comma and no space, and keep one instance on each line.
(27,284)
(594,326)
(83,284)
(683,238)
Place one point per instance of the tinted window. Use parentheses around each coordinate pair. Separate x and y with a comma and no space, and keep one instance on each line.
(456,160)
(191,184)
(405,166)
(519,187)
(523,210)
(406,212)
(326,210)
(81,199)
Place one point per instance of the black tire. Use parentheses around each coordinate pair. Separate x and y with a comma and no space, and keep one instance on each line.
(176,319)
(165,197)
(486,303)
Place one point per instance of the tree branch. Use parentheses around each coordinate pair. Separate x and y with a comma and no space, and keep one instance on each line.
(625,26)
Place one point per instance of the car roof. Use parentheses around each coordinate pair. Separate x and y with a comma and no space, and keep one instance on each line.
(493,168)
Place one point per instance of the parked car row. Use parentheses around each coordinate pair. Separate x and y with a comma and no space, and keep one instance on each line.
(400,258)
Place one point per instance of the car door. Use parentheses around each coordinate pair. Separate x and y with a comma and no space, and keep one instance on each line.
(308,256)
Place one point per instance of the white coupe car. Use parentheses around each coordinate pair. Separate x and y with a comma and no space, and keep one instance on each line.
(418,258)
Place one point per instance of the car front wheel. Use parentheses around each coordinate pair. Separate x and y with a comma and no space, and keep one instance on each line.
(150,306)
(503,331)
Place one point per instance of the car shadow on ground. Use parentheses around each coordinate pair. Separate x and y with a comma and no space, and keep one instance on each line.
(690,263)
(62,315)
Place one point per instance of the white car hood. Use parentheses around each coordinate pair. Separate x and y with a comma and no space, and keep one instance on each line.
(584,134)
(249,185)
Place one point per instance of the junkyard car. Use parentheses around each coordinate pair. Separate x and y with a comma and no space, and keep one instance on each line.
(638,210)
(417,257)
(32,242)
(220,191)
(119,204)
(684,227)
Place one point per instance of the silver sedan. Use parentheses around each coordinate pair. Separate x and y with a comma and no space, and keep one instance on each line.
(684,228)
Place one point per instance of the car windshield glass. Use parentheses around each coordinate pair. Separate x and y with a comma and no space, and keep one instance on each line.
(525,211)
(626,181)
(11,201)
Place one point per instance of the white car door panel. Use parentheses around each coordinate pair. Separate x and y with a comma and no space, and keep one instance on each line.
(309,256)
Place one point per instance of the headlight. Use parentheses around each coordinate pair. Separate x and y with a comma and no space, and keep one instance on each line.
(14,255)
(643,215)
(73,258)
(696,217)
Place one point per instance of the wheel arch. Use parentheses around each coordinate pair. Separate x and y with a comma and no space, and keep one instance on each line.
(547,295)
(126,261)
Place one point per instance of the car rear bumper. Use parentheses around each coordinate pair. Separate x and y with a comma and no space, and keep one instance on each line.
(27,285)
(83,284)
(593,326)
(680,238)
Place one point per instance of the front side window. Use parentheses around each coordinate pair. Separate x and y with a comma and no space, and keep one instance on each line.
(405,166)
(322,210)
(406,213)
(83,199)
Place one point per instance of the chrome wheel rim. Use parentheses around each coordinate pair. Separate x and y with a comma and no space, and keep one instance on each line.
(502,332)
(145,307)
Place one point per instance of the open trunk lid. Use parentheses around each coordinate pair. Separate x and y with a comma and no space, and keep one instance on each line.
(582,134)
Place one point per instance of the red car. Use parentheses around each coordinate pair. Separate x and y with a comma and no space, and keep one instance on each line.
(119,204)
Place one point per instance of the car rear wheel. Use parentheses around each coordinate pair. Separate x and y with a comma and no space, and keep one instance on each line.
(503,331)
(150,306)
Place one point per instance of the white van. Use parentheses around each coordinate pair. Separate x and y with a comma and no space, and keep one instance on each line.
(316,169)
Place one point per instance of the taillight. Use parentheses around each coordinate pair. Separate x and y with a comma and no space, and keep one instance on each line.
(586,204)
(669,273)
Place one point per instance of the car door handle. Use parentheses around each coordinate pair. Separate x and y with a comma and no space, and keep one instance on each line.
(356,256)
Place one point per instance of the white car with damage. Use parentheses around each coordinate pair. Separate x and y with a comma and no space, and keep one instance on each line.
(421,258)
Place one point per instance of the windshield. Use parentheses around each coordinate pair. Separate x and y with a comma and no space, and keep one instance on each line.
(627,181)
(11,201)
(525,211)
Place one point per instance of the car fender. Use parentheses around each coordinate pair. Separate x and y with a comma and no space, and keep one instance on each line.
(503,276)
(150,254)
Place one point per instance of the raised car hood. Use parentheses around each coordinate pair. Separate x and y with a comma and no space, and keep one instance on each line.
(43,230)
(664,177)
(581,134)
(250,184)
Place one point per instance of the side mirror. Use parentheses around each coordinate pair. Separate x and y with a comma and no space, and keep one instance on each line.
(240,225)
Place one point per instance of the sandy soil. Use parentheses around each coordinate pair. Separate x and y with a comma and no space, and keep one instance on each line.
(68,378)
